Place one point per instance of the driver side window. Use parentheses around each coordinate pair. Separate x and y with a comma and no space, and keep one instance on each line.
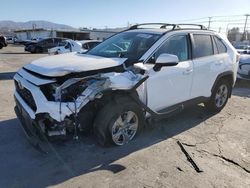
(176,45)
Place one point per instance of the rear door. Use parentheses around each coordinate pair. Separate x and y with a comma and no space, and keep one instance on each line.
(208,63)
(47,44)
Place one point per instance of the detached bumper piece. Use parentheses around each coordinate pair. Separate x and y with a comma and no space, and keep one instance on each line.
(32,131)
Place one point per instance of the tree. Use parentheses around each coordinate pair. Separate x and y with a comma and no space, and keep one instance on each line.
(232,33)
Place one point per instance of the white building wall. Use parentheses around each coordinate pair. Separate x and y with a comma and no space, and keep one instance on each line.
(27,35)
(100,35)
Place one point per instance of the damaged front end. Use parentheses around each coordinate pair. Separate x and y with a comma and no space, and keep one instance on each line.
(48,108)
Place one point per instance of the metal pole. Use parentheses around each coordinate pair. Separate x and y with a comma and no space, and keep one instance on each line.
(244,33)
(209,22)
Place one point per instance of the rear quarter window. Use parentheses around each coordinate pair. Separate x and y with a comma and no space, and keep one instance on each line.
(202,45)
(221,48)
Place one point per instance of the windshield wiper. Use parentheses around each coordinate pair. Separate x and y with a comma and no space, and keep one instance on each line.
(121,54)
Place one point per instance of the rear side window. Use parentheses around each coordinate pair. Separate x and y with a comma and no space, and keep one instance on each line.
(202,46)
(221,48)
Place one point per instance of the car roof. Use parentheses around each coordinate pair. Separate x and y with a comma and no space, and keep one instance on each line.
(87,41)
(162,31)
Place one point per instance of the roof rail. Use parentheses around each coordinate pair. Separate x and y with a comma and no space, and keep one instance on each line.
(202,27)
(164,25)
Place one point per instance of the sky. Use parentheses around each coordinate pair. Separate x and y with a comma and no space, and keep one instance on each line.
(118,13)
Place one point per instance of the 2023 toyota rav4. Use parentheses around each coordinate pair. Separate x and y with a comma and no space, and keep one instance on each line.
(145,72)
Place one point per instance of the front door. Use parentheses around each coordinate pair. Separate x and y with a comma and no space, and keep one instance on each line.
(171,85)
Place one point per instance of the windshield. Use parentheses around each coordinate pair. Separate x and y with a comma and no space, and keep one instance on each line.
(131,45)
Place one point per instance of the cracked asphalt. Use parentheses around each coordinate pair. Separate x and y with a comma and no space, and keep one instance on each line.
(219,144)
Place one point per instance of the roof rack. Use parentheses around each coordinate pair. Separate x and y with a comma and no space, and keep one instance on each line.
(202,27)
(165,25)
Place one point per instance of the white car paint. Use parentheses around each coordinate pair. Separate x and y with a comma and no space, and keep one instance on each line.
(63,64)
(206,70)
(171,85)
(69,46)
(178,78)
(188,79)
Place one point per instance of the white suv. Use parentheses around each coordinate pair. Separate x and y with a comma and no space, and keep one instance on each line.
(139,74)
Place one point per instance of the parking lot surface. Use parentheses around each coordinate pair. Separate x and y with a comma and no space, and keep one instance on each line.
(219,145)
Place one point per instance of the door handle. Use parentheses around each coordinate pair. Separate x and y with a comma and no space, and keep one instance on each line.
(188,71)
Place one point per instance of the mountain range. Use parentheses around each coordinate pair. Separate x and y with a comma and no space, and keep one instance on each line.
(9,26)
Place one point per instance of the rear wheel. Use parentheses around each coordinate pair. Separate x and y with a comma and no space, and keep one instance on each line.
(219,96)
(118,122)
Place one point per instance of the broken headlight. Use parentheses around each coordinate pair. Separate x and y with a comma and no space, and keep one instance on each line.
(71,92)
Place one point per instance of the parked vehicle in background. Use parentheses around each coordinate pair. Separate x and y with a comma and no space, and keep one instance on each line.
(3,42)
(244,67)
(141,74)
(10,39)
(243,49)
(66,46)
(43,45)
(89,44)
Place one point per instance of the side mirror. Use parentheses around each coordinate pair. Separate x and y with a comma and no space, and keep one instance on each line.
(165,60)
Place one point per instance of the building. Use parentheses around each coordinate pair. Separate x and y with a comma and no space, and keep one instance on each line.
(102,34)
(75,34)
(28,34)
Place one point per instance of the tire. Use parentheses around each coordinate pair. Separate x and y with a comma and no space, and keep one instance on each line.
(110,126)
(219,97)
(1,46)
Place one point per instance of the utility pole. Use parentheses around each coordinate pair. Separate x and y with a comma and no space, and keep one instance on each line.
(245,26)
(209,22)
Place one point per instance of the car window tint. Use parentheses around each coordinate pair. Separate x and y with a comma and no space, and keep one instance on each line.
(131,45)
(85,46)
(202,46)
(92,44)
(176,45)
(49,41)
(220,46)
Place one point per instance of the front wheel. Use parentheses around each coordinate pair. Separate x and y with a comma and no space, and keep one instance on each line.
(219,96)
(118,122)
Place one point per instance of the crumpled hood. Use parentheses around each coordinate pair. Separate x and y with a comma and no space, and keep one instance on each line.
(61,65)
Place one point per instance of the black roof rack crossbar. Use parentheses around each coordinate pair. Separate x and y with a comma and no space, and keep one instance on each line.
(164,25)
